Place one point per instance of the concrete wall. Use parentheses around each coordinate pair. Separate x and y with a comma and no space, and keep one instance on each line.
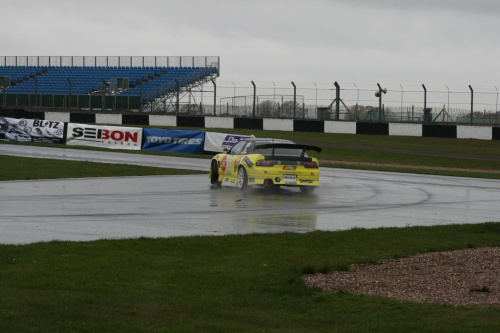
(405,129)
(271,124)
(341,127)
(57,116)
(163,120)
(219,122)
(474,132)
(102,118)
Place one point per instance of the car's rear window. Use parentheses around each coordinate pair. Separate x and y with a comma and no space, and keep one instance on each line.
(280,152)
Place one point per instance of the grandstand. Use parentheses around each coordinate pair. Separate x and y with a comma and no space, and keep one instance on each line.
(121,83)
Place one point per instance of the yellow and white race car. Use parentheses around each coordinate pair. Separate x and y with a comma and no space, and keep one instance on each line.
(268,162)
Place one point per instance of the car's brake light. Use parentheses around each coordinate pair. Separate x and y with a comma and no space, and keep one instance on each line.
(311,165)
(265,163)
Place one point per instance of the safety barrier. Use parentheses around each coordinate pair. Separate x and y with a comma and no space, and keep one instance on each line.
(326,126)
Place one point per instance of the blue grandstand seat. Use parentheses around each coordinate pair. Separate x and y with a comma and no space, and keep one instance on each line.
(152,81)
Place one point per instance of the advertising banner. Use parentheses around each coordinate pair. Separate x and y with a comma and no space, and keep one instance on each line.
(104,136)
(31,130)
(174,141)
(217,142)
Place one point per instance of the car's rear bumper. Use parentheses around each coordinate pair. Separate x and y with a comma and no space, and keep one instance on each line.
(284,177)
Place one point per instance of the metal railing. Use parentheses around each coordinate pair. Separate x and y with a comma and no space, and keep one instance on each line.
(107,61)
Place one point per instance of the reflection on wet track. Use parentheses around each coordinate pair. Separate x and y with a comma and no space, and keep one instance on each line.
(165,206)
(272,210)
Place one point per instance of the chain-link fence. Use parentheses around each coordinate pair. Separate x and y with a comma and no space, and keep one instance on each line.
(418,104)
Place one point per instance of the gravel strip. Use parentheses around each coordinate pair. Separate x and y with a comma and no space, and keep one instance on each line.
(462,277)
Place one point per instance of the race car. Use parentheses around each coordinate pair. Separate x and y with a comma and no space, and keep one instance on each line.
(268,162)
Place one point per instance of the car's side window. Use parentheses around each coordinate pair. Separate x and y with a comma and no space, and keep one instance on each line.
(237,148)
(247,149)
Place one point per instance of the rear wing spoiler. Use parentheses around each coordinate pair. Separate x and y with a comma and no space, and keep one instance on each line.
(289,146)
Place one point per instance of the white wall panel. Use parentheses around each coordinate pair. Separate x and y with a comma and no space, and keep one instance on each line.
(341,127)
(405,129)
(103,118)
(160,120)
(271,124)
(474,132)
(219,122)
(57,116)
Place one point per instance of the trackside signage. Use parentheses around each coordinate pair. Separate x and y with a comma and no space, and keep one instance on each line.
(174,141)
(31,130)
(104,136)
(217,142)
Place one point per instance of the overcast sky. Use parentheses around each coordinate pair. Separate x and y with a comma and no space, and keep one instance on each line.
(452,42)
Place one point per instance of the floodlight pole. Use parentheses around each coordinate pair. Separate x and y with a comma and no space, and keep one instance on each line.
(294,99)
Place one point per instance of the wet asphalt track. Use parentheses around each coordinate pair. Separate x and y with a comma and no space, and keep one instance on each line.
(165,206)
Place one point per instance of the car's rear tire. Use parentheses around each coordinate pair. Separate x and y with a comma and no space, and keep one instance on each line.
(242,180)
(214,174)
(307,189)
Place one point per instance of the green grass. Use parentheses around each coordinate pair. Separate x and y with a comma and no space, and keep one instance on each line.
(445,145)
(355,147)
(243,283)
(239,283)
(23,168)
(355,150)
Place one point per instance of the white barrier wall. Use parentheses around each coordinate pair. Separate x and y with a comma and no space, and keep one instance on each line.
(270,124)
(102,118)
(405,129)
(219,122)
(474,132)
(163,120)
(328,126)
(57,116)
(340,127)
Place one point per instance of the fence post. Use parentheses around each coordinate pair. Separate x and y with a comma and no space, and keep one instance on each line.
(215,97)
(379,95)
(69,82)
(177,100)
(471,103)
(254,94)
(425,96)
(496,107)
(36,91)
(337,101)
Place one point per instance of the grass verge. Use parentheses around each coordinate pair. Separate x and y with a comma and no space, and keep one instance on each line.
(412,151)
(243,283)
(24,168)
